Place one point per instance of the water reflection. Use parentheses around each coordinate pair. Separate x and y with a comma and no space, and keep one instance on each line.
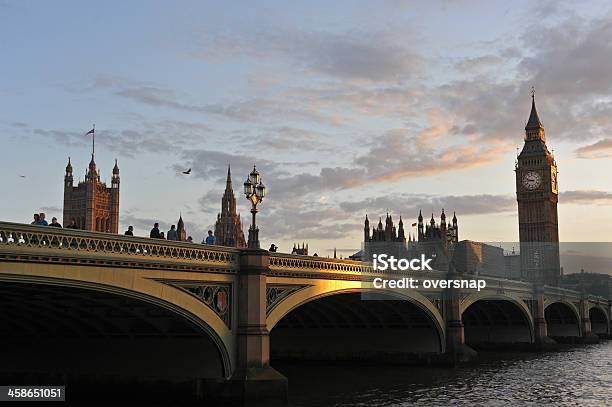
(576,376)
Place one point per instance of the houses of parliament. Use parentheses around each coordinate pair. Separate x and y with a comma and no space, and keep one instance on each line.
(94,206)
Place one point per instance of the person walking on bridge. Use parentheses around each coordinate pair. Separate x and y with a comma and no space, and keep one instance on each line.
(172,233)
(210,239)
(155,232)
(55,223)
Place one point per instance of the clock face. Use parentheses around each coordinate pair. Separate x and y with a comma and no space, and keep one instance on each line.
(532,180)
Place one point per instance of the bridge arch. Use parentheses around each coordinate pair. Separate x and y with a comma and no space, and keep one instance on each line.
(600,324)
(126,284)
(562,320)
(407,324)
(496,318)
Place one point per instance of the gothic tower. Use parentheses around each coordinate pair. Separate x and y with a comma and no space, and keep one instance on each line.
(537,195)
(228,228)
(180,229)
(91,204)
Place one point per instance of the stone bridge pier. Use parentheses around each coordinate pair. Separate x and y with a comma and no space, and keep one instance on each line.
(253,381)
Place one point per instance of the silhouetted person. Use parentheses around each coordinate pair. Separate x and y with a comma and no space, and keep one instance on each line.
(155,232)
(42,220)
(190,239)
(36,219)
(55,223)
(273,248)
(72,225)
(161,235)
(210,239)
(130,231)
(172,233)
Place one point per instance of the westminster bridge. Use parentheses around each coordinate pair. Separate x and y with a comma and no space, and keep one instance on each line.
(94,302)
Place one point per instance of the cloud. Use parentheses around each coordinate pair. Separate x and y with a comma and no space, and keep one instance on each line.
(599,149)
(212,165)
(392,157)
(585,197)
(51,210)
(286,138)
(372,56)
(409,205)
(469,65)
(151,137)
(254,109)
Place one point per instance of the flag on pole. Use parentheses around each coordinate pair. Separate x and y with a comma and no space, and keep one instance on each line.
(93,140)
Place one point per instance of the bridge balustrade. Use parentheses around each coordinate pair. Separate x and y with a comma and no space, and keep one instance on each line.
(57,244)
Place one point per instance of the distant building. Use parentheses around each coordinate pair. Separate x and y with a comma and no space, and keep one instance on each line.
(180,229)
(301,250)
(440,242)
(512,262)
(591,283)
(228,228)
(91,203)
(434,240)
(479,258)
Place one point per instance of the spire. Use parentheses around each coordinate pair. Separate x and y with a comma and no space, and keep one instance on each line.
(116,168)
(420,216)
(180,229)
(443,216)
(400,231)
(454,218)
(92,172)
(228,182)
(534,122)
(69,167)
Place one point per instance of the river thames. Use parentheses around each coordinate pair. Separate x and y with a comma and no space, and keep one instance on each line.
(575,376)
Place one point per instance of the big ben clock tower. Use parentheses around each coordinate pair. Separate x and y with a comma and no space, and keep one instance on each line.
(537,195)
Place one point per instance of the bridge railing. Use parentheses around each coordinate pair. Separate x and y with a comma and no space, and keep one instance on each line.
(292,263)
(26,242)
(567,293)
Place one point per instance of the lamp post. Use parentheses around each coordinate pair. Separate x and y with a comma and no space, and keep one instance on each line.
(254,190)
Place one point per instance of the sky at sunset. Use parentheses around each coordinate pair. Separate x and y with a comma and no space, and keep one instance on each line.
(347,108)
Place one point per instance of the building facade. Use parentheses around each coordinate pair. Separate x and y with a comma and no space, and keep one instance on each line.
(228,228)
(301,250)
(91,204)
(537,192)
(436,240)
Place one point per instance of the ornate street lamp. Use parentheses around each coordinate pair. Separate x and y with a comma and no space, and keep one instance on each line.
(254,190)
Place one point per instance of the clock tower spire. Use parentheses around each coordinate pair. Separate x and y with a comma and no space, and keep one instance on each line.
(537,195)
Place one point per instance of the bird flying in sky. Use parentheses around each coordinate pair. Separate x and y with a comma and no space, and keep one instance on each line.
(187,172)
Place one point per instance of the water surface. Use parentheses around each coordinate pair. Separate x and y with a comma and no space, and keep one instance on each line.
(576,376)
